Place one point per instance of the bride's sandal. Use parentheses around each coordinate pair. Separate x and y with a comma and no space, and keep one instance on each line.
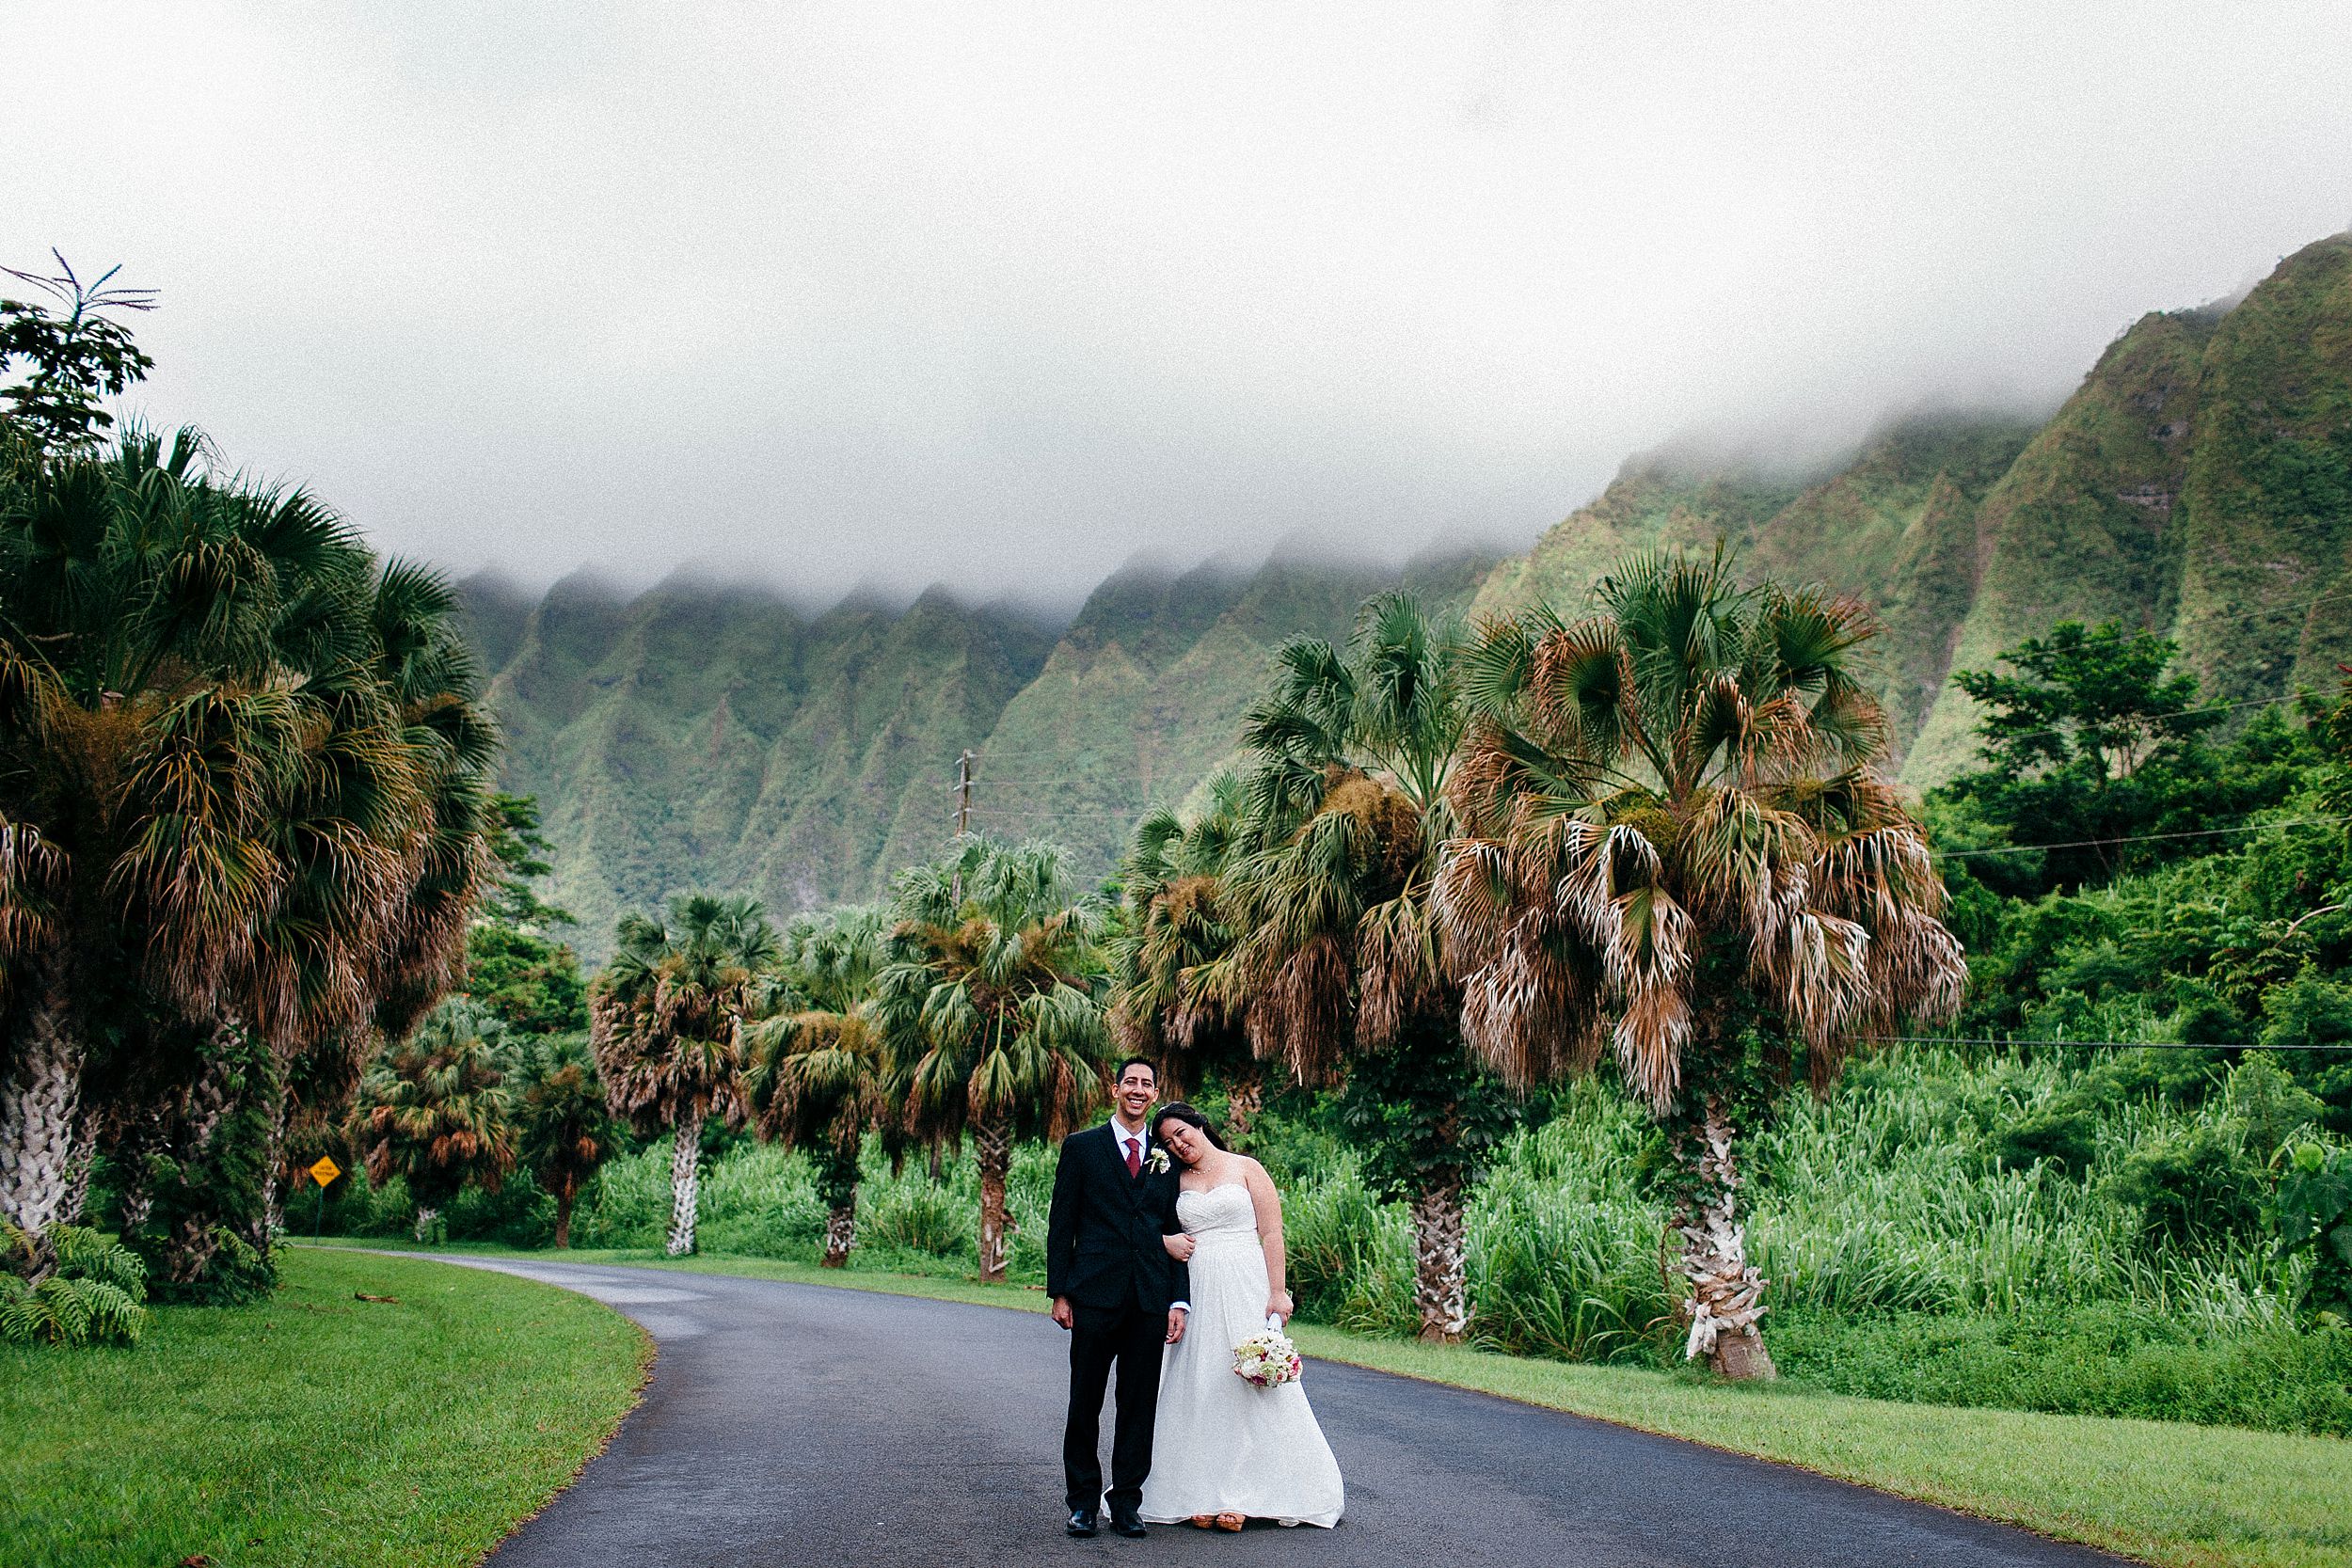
(1230,1521)
(1203,1521)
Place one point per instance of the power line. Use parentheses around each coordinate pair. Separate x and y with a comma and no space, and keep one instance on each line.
(2185,713)
(2099,1045)
(999,814)
(2135,838)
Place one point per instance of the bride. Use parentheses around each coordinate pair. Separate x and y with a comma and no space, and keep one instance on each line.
(1226,1450)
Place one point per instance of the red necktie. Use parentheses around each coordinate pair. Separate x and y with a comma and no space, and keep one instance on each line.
(1135,1157)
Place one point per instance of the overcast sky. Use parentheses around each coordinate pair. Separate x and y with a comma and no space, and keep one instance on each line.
(1003,295)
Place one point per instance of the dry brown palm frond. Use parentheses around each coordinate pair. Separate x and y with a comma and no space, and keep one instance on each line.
(1398,964)
(1581,685)
(1875,875)
(1473,903)
(1302,1018)
(1916,971)
(1533,1012)
(1484,784)
(1653,1030)
(1781,742)
(1718,720)
(34,870)
(1737,854)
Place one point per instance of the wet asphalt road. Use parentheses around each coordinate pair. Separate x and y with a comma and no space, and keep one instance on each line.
(797,1424)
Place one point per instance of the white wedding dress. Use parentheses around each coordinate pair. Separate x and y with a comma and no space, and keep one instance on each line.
(1221,1445)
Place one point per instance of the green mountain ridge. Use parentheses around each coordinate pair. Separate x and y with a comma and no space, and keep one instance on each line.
(2199,483)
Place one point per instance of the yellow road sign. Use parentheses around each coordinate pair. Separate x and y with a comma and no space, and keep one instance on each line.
(325,1171)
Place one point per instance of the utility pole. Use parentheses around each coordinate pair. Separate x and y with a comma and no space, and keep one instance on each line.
(963,825)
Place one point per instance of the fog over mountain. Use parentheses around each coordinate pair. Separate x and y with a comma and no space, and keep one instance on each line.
(997,297)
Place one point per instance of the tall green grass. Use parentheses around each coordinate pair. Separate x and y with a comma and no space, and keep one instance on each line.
(1912,1254)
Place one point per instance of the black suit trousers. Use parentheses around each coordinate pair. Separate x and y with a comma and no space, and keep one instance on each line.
(1133,1339)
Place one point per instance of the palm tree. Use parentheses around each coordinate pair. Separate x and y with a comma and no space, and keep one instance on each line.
(385,840)
(1675,841)
(213,803)
(818,1072)
(567,1131)
(1338,967)
(434,1111)
(664,1020)
(990,996)
(1177,937)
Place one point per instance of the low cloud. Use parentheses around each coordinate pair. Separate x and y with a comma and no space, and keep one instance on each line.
(823,296)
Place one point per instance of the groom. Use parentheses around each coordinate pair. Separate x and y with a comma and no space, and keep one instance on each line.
(1118,1292)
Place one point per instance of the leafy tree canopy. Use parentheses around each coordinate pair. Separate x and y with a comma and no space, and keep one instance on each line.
(2096,761)
(68,361)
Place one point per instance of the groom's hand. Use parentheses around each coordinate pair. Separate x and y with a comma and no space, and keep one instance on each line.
(1062,1314)
(1175,1325)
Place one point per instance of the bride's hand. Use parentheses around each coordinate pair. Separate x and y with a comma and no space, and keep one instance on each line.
(1179,1246)
(1278,1306)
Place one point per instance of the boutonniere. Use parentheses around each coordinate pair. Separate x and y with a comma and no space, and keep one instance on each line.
(1157,1161)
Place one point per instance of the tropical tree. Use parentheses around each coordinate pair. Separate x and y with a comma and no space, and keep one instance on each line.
(434,1110)
(241,776)
(2091,742)
(567,1131)
(1177,936)
(71,360)
(989,995)
(818,1075)
(664,1018)
(1675,841)
(1339,968)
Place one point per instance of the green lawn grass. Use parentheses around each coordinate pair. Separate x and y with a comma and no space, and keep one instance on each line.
(313,1429)
(2167,1493)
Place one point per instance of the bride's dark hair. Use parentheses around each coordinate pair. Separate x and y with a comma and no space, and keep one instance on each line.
(1179,1111)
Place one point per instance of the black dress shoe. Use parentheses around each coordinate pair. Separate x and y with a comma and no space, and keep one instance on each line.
(1124,1522)
(1081,1521)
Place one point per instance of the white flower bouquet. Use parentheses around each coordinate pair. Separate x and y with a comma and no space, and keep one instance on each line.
(1267,1359)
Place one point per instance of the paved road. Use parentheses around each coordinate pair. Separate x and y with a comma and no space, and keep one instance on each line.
(798,1424)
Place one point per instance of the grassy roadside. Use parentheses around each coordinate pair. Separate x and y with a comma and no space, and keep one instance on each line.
(314,1428)
(2164,1492)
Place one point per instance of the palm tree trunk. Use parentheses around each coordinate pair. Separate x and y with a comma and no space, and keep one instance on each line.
(1245,1097)
(194,1236)
(73,1210)
(138,1198)
(991,1145)
(426,1218)
(841,1232)
(1724,1304)
(565,1191)
(685,1183)
(39,1095)
(271,1219)
(1441,1261)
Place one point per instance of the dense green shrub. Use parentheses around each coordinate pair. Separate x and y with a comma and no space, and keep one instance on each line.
(94,1296)
(2106,1359)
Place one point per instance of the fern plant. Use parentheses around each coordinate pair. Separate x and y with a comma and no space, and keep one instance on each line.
(94,1296)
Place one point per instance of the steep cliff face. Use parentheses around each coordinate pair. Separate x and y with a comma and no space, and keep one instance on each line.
(2082,524)
(698,737)
(2199,482)
(705,738)
(2266,601)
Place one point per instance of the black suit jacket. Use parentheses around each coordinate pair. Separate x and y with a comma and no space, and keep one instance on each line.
(1103,1240)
